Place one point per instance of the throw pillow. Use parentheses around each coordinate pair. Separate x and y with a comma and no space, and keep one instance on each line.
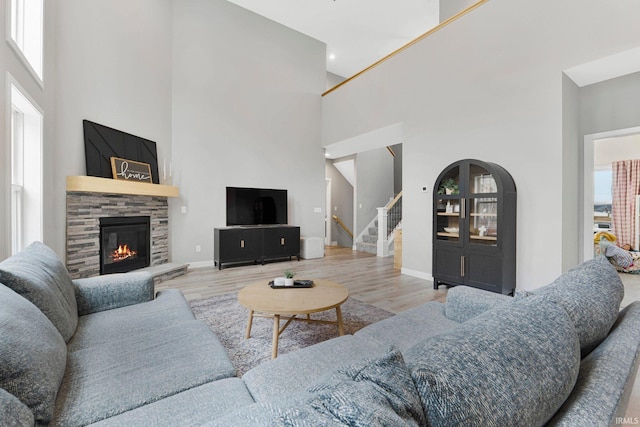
(591,293)
(511,366)
(33,355)
(374,392)
(37,274)
(14,413)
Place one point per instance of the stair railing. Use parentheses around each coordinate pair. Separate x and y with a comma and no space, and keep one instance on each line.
(343,225)
(388,219)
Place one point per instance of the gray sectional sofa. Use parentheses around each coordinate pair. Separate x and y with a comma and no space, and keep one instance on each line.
(105,351)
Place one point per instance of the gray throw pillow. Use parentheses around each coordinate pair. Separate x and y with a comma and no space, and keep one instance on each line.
(511,366)
(37,274)
(14,413)
(33,355)
(591,293)
(373,392)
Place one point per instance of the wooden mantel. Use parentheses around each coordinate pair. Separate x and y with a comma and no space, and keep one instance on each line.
(92,184)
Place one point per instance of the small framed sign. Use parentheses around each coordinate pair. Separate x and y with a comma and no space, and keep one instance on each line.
(130,170)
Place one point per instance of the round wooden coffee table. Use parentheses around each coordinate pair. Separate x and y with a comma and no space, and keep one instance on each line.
(263,301)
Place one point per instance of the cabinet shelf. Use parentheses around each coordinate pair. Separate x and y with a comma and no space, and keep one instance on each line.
(478,237)
(485,214)
(445,234)
(448,213)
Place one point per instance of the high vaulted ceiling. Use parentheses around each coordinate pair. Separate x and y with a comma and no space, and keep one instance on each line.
(357,32)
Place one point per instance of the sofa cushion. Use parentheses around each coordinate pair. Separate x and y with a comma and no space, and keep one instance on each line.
(591,293)
(292,412)
(32,355)
(512,365)
(296,370)
(37,274)
(464,303)
(193,407)
(373,391)
(13,412)
(109,379)
(410,327)
(606,376)
(169,308)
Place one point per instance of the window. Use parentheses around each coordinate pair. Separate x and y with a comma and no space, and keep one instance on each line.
(26,33)
(26,171)
(17,161)
(602,183)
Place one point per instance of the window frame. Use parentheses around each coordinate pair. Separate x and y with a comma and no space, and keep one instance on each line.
(26,198)
(36,70)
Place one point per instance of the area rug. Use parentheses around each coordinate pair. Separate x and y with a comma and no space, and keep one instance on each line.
(228,320)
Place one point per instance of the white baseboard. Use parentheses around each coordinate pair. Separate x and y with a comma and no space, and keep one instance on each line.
(416,273)
(201,264)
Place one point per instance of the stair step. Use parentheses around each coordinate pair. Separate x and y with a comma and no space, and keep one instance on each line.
(371,248)
(367,238)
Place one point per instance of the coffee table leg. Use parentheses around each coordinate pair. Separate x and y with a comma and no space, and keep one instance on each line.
(339,316)
(276,334)
(249,323)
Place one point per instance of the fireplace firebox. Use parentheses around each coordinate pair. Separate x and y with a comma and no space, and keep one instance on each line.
(124,243)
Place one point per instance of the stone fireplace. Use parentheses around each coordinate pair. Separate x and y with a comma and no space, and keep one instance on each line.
(91,200)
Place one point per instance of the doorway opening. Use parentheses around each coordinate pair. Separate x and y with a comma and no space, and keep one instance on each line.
(600,150)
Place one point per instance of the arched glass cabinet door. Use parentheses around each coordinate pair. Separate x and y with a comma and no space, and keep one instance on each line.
(483,207)
(449,206)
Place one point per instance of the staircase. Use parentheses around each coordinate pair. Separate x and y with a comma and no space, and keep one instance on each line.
(380,241)
(368,241)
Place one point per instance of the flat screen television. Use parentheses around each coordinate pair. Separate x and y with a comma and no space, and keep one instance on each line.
(256,206)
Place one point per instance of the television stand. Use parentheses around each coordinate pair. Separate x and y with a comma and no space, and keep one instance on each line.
(259,243)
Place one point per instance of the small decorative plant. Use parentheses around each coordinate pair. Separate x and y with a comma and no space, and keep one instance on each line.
(449,186)
(288,278)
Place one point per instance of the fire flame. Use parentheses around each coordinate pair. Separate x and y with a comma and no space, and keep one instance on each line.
(123,252)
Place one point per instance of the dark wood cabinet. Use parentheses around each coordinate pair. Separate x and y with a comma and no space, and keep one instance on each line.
(474,227)
(255,244)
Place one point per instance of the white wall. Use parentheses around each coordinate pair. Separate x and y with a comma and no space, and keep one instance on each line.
(341,205)
(489,86)
(374,185)
(448,8)
(113,67)
(246,112)
(609,150)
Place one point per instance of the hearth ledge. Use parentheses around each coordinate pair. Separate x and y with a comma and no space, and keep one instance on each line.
(92,184)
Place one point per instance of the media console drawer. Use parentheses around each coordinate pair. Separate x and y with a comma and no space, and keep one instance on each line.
(252,244)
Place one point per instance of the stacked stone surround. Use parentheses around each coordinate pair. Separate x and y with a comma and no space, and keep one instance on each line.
(84,211)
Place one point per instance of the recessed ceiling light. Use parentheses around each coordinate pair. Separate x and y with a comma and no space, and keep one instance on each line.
(332,56)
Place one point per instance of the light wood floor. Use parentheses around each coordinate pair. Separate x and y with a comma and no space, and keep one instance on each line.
(368,278)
